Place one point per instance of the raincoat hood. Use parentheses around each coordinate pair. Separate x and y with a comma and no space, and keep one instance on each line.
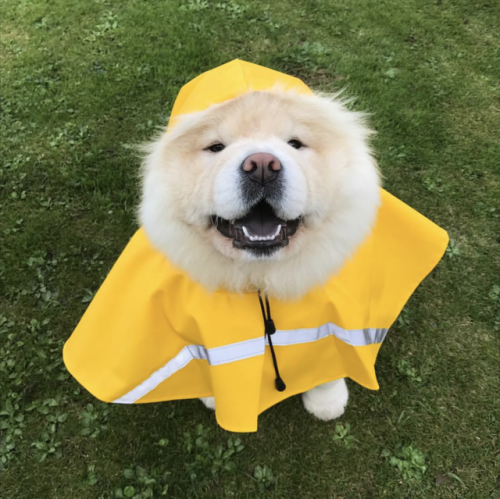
(153,334)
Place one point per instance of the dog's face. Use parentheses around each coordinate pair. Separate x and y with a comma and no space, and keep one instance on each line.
(261,178)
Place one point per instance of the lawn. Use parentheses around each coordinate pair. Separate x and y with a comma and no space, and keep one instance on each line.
(83,82)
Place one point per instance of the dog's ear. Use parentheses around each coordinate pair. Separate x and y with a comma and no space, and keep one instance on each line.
(340,110)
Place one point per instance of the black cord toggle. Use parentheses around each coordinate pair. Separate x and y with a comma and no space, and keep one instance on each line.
(280,385)
(270,329)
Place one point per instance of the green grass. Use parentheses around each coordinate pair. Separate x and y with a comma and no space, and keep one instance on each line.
(83,81)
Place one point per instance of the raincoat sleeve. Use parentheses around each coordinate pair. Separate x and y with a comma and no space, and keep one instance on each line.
(124,336)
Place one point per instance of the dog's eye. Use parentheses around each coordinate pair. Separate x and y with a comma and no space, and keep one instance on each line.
(295,143)
(217,147)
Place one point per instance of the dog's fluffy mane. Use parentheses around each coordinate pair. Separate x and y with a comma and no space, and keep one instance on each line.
(329,237)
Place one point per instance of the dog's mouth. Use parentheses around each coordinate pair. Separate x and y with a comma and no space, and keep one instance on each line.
(260,230)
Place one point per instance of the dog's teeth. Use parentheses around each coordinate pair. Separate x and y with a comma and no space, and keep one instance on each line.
(261,238)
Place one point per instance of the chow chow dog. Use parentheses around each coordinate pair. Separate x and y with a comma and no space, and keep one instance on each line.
(271,191)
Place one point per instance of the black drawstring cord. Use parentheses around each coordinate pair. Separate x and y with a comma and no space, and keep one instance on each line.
(270,329)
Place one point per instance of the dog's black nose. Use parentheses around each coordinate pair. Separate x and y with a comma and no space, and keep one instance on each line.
(261,167)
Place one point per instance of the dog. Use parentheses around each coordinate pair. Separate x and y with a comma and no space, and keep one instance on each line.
(272,191)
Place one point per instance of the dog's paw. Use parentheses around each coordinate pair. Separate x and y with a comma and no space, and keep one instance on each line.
(327,401)
(208,402)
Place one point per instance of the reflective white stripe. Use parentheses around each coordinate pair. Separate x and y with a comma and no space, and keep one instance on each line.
(214,356)
(353,337)
(250,348)
(235,351)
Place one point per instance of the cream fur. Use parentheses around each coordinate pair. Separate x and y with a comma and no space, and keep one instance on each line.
(333,182)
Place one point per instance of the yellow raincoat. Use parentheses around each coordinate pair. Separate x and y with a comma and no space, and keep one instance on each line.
(153,334)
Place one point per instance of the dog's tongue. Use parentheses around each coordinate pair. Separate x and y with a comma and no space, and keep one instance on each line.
(260,221)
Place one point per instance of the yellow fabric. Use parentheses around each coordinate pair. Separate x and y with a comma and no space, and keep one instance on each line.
(227,82)
(147,310)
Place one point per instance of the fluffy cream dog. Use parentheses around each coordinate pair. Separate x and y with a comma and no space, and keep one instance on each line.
(271,190)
